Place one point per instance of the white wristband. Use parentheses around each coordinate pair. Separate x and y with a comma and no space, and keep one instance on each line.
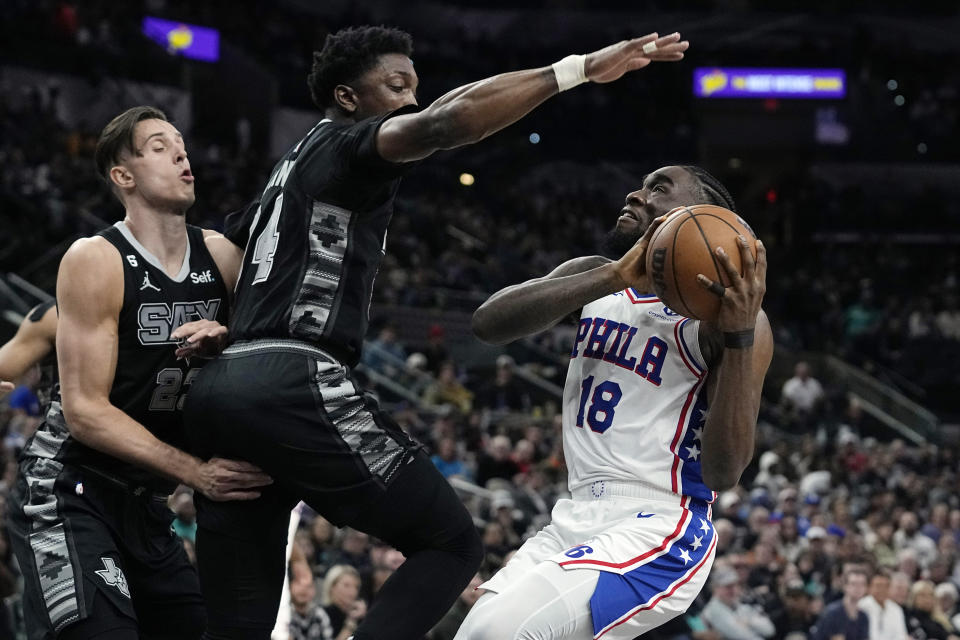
(570,72)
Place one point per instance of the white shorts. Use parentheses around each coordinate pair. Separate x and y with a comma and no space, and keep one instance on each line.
(651,554)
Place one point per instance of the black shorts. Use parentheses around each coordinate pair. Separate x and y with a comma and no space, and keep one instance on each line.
(96,550)
(296,412)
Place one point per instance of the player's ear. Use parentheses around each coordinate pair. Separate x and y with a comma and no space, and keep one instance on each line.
(121,177)
(346,98)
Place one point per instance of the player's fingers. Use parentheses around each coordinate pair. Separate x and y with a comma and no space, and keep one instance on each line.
(713,287)
(761,273)
(747,259)
(237,465)
(669,57)
(188,328)
(247,480)
(642,40)
(669,48)
(733,273)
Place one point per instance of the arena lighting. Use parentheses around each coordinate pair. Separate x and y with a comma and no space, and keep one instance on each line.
(466,179)
(180,38)
(743,82)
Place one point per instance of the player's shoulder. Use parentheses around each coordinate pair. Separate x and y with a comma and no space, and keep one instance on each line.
(91,252)
(92,264)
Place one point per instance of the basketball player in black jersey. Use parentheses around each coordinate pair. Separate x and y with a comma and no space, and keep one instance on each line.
(88,516)
(33,344)
(282,395)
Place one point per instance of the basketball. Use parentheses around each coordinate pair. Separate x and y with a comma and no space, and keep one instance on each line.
(684,246)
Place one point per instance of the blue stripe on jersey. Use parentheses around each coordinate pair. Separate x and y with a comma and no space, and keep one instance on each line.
(691,476)
(616,596)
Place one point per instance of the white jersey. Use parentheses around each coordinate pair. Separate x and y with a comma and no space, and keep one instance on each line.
(635,400)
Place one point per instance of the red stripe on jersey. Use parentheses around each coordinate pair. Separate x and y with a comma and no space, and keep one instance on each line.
(685,580)
(635,298)
(620,565)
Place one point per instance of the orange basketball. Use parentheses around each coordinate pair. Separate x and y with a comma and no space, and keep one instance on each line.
(684,246)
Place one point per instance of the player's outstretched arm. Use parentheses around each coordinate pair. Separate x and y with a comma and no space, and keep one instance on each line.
(474,111)
(90,295)
(33,341)
(536,305)
(744,344)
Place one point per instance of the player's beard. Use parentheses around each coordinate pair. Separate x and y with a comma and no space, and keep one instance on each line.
(616,242)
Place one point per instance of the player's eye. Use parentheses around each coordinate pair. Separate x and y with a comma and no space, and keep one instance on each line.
(660,187)
(396,88)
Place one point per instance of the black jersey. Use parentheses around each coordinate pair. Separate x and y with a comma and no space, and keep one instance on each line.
(149,383)
(316,240)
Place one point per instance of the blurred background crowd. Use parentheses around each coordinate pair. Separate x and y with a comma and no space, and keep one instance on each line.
(856,199)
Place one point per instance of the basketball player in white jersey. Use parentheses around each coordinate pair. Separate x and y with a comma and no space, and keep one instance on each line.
(659,413)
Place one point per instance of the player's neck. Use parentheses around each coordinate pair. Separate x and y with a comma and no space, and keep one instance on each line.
(163,235)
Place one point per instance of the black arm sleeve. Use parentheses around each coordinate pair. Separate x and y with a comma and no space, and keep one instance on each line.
(236,226)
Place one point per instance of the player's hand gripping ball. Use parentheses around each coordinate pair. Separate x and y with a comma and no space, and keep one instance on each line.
(685,245)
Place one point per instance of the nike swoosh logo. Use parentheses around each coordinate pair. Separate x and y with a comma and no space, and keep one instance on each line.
(645,515)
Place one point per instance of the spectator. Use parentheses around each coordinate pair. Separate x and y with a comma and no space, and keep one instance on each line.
(385,354)
(503,393)
(353,550)
(947,596)
(496,461)
(900,584)
(925,619)
(726,614)
(341,588)
(435,350)
(796,617)
(802,395)
(908,536)
(843,618)
(447,391)
(948,320)
(885,615)
(447,628)
(308,620)
(447,460)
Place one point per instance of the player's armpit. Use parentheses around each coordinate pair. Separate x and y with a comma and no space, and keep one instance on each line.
(33,341)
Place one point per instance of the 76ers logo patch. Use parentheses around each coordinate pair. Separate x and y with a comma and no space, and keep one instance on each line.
(113,576)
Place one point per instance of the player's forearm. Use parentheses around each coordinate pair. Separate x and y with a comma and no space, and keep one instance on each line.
(106,428)
(528,308)
(728,436)
(472,112)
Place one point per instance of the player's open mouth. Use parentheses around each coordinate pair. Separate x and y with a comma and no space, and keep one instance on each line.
(186,176)
(629,213)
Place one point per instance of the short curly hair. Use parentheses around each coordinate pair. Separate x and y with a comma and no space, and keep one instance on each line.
(350,53)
